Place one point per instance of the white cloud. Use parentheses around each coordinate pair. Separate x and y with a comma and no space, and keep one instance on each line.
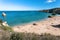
(50,1)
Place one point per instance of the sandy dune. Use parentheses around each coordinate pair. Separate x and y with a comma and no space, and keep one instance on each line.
(41,26)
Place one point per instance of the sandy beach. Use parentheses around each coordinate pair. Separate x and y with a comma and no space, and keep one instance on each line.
(40,27)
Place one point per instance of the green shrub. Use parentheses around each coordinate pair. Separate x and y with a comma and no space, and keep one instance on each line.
(16,36)
(48,37)
(1,21)
(53,14)
(5,28)
(32,36)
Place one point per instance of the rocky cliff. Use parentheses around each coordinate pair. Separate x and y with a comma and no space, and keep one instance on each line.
(54,10)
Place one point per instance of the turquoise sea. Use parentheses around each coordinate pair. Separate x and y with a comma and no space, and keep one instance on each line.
(20,17)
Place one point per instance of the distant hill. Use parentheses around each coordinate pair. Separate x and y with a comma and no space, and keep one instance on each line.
(54,10)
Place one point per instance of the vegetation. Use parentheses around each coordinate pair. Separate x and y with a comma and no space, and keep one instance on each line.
(6,33)
(26,36)
(32,36)
(4,27)
(1,21)
(53,11)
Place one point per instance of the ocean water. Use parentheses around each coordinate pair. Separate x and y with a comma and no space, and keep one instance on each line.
(20,17)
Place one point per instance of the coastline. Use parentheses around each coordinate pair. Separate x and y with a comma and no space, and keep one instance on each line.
(43,26)
(30,22)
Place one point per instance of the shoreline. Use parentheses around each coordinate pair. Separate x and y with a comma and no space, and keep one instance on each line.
(43,26)
(30,22)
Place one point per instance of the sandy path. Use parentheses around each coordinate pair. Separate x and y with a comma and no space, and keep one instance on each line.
(41,26)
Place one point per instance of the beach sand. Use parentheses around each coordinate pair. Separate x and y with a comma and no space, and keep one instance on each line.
(40,27)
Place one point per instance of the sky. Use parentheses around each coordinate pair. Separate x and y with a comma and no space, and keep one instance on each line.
(28,4)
